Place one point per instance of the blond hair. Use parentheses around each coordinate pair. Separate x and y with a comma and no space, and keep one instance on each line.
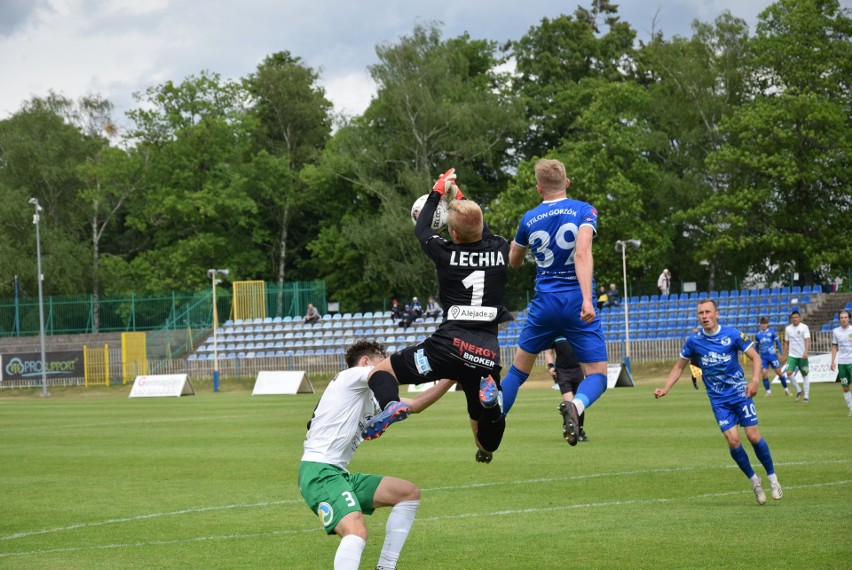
(465,218)
(550,175)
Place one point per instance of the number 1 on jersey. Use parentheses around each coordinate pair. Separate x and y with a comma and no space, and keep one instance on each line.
(475,281)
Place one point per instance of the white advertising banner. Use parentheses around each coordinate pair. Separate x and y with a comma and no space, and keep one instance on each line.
(618,376)
(270,382)
(820,369)
(161,386)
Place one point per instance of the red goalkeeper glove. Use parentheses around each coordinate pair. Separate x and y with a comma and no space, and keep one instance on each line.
(445,182)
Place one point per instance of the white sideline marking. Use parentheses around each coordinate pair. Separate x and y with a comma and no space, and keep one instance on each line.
(615,474)
(143,517)
(437,518)
(450,488)
(138,422)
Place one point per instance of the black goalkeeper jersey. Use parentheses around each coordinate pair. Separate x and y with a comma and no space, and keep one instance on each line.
(471,276)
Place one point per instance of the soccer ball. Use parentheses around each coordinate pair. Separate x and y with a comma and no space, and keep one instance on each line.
(440,218)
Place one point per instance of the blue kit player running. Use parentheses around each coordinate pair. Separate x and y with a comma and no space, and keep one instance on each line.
(559,233)
(770,351)
(716,349)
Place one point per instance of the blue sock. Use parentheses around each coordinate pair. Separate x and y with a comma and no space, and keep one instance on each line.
(741,457)
(783,379)
(591,388)
(761,449)
(510,386)
(766,384)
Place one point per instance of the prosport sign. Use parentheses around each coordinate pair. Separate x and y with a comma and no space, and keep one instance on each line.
(25,366)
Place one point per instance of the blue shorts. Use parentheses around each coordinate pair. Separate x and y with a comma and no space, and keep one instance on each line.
(769,361)
(730,413)
(558,314)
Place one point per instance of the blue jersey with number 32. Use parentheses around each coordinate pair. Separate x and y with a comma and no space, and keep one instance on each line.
(717,356)
(550,231)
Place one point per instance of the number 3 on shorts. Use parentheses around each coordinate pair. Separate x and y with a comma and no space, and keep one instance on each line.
(350,500)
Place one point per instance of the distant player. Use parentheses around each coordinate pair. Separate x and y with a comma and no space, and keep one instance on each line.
(472,270)
(797,344)
(340,498)
(770,350)
(566,370)
(715,349)
(559,232)
(841,355)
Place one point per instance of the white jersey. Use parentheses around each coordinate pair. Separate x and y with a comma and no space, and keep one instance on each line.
(796,337)
(842,337)
(340,415)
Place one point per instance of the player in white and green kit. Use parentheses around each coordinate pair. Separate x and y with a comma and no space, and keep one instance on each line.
(841,355)
(797,344)
(340,498)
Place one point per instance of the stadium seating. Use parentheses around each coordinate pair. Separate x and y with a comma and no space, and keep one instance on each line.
(652,317)
(673,317)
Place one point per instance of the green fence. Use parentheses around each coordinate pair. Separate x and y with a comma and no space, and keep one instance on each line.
(135,312)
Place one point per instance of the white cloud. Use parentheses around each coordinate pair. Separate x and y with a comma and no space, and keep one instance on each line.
(116,47)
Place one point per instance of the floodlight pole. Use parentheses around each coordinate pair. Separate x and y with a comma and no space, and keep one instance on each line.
(622,246)
(40,278)
(214,275)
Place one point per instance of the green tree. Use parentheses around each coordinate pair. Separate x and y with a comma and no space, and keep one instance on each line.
(40,152)
(191,210)
(785,166)
(292,120)
(559,65)
(438,104)
(693,84)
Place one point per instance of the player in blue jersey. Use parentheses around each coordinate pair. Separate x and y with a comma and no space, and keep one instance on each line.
(770,350)
(715,349)
(559,232)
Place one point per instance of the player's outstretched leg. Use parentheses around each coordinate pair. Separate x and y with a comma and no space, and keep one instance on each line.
(570,422)
(376,426)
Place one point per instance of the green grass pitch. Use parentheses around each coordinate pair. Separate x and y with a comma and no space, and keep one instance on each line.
(90,479)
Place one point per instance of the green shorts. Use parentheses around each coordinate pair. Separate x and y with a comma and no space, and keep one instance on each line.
(801,363)
(332,492)
(844,374)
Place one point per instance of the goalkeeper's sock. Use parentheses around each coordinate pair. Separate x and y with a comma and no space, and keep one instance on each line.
(384,387)
(349,552)
(396,531)
(510,385)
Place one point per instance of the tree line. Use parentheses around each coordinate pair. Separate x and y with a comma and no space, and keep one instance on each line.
(727,153)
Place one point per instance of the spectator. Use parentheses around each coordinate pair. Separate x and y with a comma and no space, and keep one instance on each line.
(664,282)
(433,309)
(614,296)
(603,299)
(408,316)
(312,315)
(396,312)
(416,308)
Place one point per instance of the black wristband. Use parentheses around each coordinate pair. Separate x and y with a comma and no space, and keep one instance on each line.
(550,365)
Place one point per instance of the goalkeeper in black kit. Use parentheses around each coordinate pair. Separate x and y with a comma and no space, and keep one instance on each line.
(472,270)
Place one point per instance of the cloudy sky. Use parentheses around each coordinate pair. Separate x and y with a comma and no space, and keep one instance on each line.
(117,47)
